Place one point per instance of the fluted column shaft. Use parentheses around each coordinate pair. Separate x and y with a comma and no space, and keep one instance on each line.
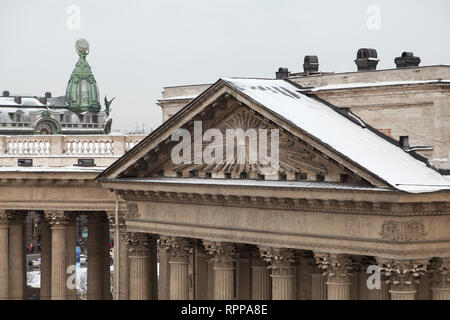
(178,250)
(337,270)
(71,259)
(139,255)
(122,292)
(46,258)
(98,264)
(179,280)
(260,278)
(281,264)
(16,266)
(223,266)
(120,274)
(58,286)
(4,259)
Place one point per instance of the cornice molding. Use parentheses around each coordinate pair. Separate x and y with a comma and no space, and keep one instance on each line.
(291,204)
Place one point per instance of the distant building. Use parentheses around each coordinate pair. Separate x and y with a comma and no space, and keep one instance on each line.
(77,112)
(409,101)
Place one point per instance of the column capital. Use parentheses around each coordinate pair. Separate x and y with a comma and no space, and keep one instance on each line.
(111,215)
(223,253)
(280,260)
(5,216)
(58,217)
(337,267)
(403,274)
(138,241)
(440,272)
(177,247)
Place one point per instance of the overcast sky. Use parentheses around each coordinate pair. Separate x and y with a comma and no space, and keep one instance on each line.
(139,47)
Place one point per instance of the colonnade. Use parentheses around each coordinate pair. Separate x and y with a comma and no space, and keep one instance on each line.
(58,255)
(201,269)
(273,273)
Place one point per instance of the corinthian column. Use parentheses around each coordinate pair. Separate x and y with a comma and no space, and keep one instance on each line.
(440,268)
(71,258)
(283,271)
(16,266)
(46,258)
(178,249)
(223,266)
(139,254)
(58,221)
(261,285)
(4,260)
(120,275)
(98,257)
(337,270)
(403,276)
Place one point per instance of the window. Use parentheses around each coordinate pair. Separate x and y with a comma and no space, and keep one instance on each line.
(18,117)
(208,175)
(320,177)
(180,174)
(227,175)
(86,163)
(301,176)
(25,162)
(261,176)
(161,173)
(282,176)
(193,173)
(243,175)
(345,178)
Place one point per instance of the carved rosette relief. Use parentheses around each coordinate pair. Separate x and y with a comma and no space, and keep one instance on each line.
(403,230)
(223,253)
(336,267)
(403,275)
(280,259)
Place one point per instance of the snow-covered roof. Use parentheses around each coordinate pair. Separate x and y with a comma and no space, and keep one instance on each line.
(377,155)
(373,84)
(256,183)
(178,98)
(51,169)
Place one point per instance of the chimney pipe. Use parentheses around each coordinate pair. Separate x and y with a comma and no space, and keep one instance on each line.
(48,94)
(406,60)
(366,59)
(404,142)
(18,100)
(5,93)
(282,73)
(311,64)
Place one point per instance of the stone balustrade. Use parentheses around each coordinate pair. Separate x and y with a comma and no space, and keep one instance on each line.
(59,150)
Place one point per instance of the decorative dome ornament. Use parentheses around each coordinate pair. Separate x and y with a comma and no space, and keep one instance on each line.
(82,47)
(82,91)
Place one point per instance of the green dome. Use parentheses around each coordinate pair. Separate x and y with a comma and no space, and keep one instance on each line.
(82,90)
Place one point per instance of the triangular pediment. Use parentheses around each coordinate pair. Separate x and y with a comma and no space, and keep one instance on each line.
(223,109)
